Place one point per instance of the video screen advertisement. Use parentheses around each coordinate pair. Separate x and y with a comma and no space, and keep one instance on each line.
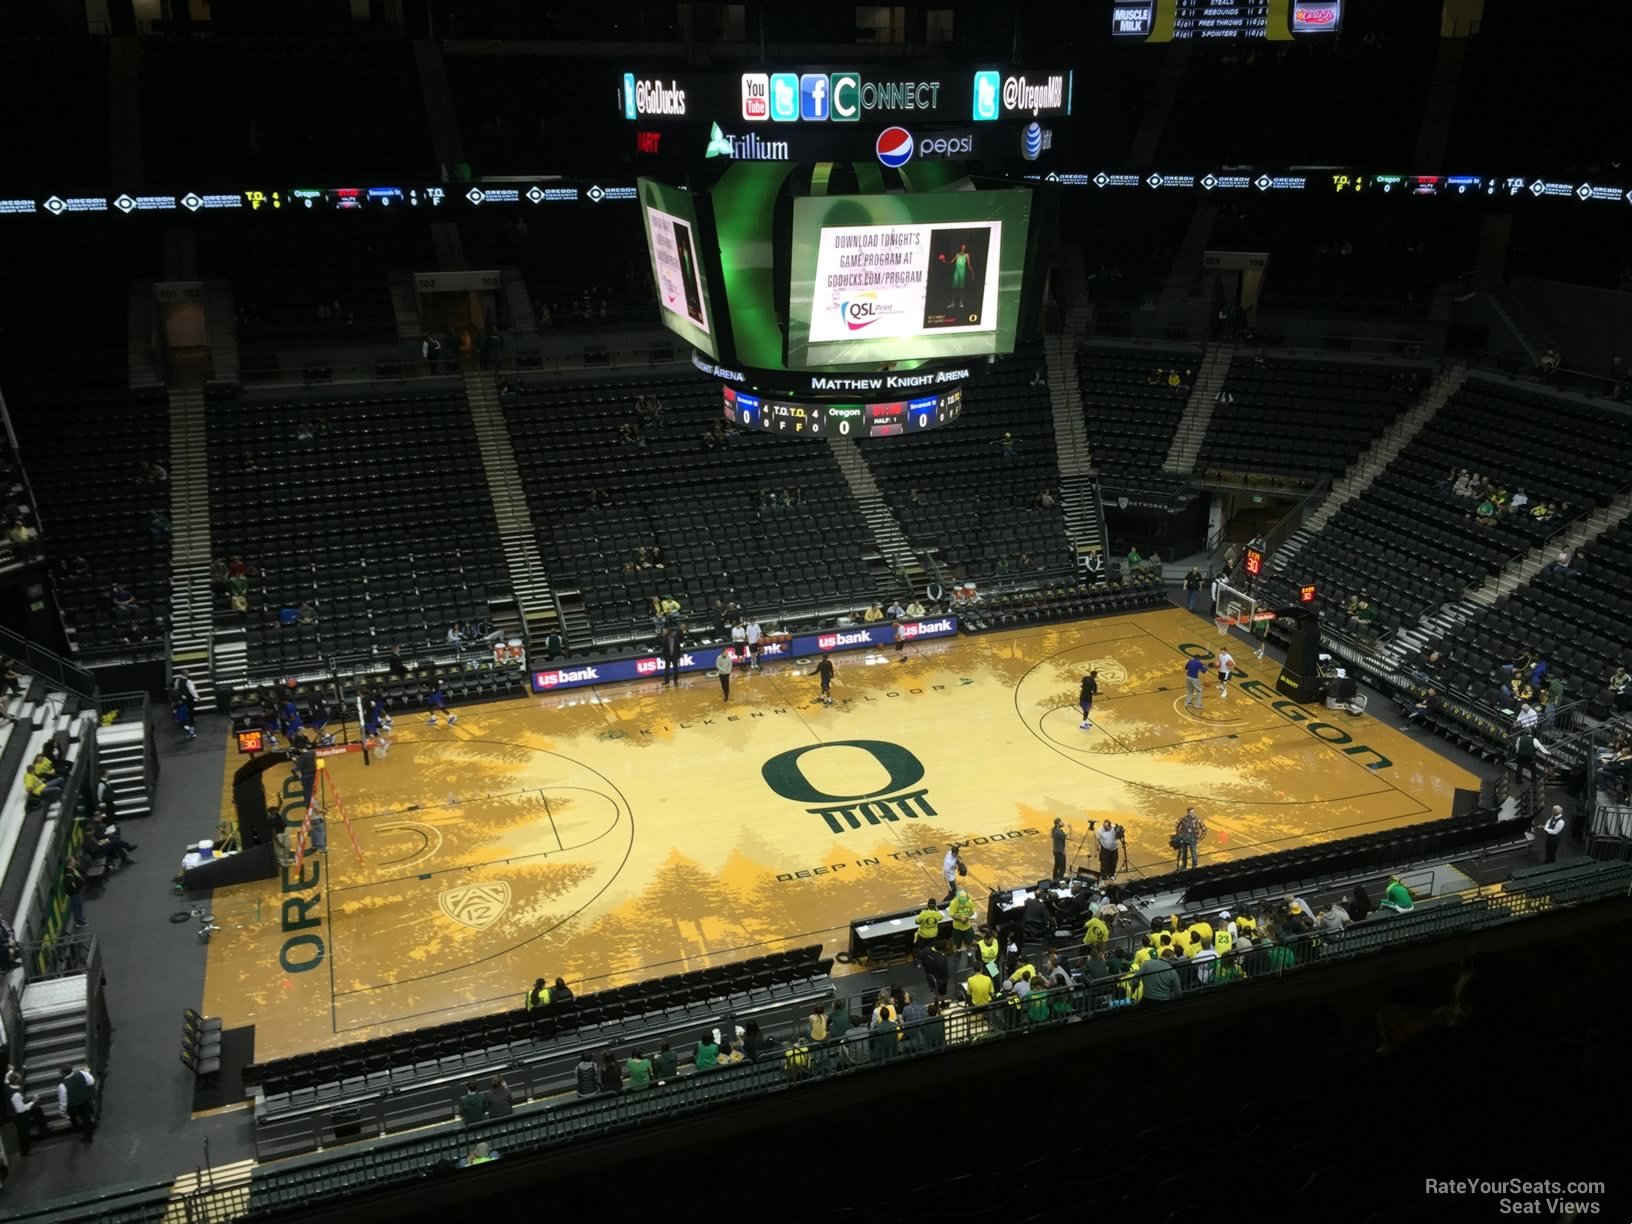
(884,278)
(673,238)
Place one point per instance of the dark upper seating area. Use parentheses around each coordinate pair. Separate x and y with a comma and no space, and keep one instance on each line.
(1411,543)
(308,111)
(520,112)
(955,492)
(323,278)
(1512,46)
(1376,255)
(1301,418)
(587,269)
(1580,621)
(104,512)
(1129,239)
(1232,104)
(373,509)
(55,143)
(1132,408)
(706,504)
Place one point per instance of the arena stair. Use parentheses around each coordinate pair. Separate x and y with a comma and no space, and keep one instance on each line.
(1079,487)
(54,1032)
(890,540)
(1198,409)
(517,535)
(221,322)
(405,306)
(446,142)
(1525,328)
(191,599)
(1445,621)
(125,110)
(1369,465)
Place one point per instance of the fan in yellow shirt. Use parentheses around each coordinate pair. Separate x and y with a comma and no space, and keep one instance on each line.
(1095,931)
(981,988)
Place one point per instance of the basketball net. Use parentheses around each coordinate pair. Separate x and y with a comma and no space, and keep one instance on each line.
(322,789)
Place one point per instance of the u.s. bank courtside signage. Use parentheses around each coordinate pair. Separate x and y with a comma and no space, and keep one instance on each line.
(578,675)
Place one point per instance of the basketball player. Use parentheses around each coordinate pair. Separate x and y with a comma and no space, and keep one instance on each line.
(753,633)
(824,669)
(1226,665)
(1194,669)
(437,702)
(1085,698)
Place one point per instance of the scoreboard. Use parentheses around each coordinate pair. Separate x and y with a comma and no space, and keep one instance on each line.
(1158,21)
(888,419)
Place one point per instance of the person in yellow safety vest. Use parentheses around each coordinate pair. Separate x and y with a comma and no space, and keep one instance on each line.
(1246,924)
(929,925)
(1200,926)
(1223,940)
(986,949)
(1095,931)
(1144,952)
(42,766)
(538,996)
(796,1061)
(981,988)
(962,911)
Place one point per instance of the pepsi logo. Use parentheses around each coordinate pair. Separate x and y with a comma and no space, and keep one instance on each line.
(894,147)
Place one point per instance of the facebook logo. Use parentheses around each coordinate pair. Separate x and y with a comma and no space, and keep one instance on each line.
(987,86)
(813,97)
(784,97)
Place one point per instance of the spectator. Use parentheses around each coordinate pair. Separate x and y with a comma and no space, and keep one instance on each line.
(665,1065)
(473,1105)
(158,526)
(611,1074)
(1332,919)
(638,1070)
(873,614)
(500,1100)
(1620,690)
(1192,588)
(1280,957)
(480,1154)
(1397,897)
(914,608)
(1426,703)
(1158,981)
(1358,903)
(1007,444)
(1361,614)
(707,1055)
(588,1075)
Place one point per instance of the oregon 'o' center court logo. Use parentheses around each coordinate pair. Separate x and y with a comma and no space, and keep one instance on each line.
(476,906)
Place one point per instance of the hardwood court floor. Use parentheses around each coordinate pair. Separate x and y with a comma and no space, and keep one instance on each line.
(607,835)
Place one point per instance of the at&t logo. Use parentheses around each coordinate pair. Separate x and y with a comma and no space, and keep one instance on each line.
(894,147)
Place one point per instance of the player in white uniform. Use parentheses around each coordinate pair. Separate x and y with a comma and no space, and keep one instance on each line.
(1226,665)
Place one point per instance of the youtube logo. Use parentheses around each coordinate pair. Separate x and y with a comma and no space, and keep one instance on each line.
(756,96)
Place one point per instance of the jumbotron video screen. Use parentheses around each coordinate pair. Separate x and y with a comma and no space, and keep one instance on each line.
(889,277)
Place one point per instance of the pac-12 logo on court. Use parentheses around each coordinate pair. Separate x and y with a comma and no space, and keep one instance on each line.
(476,906)
(899,796)
(1110,671)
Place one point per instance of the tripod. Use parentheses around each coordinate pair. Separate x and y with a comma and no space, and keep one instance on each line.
(323,790)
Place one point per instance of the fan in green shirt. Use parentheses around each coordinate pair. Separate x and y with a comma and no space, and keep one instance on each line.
(708,1054)
(1280,958)
(665,1066)
(639,1071)
(839,1024)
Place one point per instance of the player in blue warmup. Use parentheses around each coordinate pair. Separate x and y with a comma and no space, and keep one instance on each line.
(437,702)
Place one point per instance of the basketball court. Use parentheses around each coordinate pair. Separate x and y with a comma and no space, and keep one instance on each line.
(611,834)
